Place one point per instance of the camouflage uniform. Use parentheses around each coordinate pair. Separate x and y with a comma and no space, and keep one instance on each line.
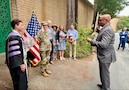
(45,47)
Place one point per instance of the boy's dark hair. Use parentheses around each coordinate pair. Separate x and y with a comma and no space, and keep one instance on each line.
(72,24)
(15,22)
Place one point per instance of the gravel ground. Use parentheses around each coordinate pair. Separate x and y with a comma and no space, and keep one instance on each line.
(66,75)
(82,74)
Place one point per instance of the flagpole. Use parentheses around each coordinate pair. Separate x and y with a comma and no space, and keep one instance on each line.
(96,23)
(32,29)
(34,25)
(33,11)
(30,65)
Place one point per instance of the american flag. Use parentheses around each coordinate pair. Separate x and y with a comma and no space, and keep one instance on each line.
(33,26)
(32,30)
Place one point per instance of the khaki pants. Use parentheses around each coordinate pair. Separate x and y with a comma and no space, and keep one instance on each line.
(72,51)
(45,56)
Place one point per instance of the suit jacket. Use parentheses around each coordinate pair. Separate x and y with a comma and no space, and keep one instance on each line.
(104,44)
(123,36)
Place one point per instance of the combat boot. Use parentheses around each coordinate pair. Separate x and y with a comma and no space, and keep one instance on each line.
(45,74)
(48,72)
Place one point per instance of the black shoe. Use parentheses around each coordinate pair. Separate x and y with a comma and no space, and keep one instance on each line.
(99,85)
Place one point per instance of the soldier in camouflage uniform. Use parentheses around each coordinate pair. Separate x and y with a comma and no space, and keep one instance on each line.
(45,47)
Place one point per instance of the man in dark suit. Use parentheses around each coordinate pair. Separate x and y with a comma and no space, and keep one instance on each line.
(105,50)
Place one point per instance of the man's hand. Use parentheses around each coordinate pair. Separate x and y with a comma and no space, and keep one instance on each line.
(42,29)
(54,44)
(89,39)
(23,67)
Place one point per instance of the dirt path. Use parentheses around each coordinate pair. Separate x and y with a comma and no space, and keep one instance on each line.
(67,75)
(114,23)
(82,74)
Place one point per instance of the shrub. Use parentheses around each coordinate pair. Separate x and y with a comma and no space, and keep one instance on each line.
(123,22)
(83,47)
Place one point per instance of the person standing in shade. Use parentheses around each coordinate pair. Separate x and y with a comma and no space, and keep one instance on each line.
(123,38)
(55,42)
(127,37)
(44,47)
(51,36)
(105,50)
(15,56)
(72,35)
(61,35)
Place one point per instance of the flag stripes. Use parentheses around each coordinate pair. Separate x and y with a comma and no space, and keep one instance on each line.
(32,30)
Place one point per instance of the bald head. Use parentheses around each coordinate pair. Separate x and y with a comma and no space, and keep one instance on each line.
(49,23)
(104,19)
(107,17)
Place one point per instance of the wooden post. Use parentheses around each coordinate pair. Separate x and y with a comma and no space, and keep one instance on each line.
(76,13)
(72,12)
(96,22)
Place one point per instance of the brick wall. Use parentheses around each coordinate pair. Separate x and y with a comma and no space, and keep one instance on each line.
(54,10)
(85,14)
(22,9)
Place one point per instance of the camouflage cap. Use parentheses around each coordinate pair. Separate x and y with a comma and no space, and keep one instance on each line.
(44,23)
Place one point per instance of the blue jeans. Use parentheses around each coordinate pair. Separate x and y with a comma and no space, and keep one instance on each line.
(122,43)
